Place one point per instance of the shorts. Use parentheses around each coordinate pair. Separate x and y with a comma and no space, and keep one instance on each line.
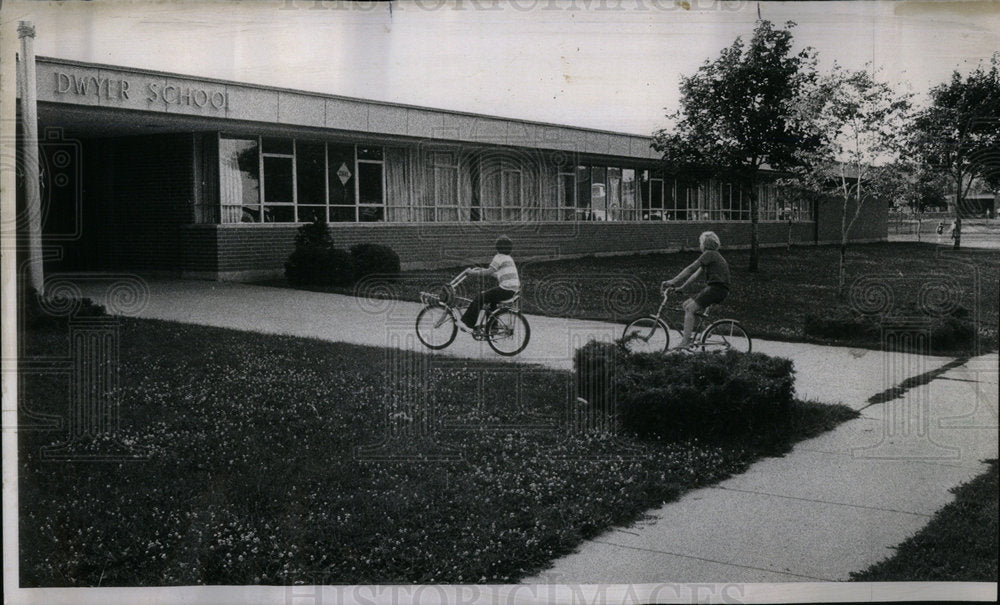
(712,294)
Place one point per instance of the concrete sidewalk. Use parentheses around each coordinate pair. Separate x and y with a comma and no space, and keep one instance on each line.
(835,504)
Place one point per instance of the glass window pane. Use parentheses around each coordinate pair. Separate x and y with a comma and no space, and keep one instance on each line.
(369,214)
(369,152)
(614,194)
(272,145)
(343,214)
(511,189)
(277,180)
(583,192)
(644,194)
(340,161)
(239,180)
(567,190)
(628,193)
(598,194)
(310,173)
(308,214)
(370,184)
(656,200)
(681,213)
(279,214)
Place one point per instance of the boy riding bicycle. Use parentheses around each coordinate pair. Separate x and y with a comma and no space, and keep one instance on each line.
(716,271)
(509,284)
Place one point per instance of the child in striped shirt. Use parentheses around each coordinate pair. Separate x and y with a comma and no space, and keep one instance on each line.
(503,268)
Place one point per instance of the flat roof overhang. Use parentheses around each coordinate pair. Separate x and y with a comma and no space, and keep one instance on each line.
(92,100)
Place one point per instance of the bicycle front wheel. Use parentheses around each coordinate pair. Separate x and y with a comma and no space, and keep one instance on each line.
(436,327)
(646,335)
(508,332)
(726,335)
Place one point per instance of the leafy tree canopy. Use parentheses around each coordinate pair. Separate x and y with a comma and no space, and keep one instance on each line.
(958,135)
(735,112)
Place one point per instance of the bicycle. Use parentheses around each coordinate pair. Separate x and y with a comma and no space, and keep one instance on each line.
(504,327)
(652,334)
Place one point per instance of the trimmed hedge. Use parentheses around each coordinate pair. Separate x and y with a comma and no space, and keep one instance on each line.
(669,395)
(375,259)
(948,331)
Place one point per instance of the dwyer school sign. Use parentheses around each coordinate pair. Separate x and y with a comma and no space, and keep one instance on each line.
(154,92)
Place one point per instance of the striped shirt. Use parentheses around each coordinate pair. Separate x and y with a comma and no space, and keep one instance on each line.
(505,271)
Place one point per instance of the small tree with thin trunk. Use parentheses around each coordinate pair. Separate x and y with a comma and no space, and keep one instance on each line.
(735,116)
(958,135)
(856,117)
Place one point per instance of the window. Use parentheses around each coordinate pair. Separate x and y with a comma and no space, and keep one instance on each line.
(342,174)
(643,187)
(598,193)
(279,200)
(582,193)
(670,199)
(445,170)
(566,194)
(629,191)
(310,181)
(656,210)
(511,192)
(239,179)
(371,186)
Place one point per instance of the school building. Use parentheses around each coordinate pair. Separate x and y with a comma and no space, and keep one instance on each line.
(158,172)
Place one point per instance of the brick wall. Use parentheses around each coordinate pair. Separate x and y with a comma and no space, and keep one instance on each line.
(248,251)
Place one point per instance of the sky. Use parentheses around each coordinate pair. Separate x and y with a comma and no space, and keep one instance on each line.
(608,64)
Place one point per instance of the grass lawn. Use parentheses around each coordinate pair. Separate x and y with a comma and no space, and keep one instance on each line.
(252,474)
(772,304)
(958,545)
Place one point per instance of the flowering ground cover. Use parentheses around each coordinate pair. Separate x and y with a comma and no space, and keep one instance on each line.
(892,281)
(249,459)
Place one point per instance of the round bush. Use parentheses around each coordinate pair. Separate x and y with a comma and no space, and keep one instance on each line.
(375,259)
(319,267)
(709,395)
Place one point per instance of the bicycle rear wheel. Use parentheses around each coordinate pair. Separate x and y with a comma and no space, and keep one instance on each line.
(726,335)
(436,327)
(646,335)
(508,332)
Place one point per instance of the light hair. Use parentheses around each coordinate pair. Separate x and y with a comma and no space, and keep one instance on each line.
(709,241)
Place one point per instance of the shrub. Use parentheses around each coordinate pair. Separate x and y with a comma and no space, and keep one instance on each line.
(55,310)
(948,330)
(315,261)
(374,259)
(709,395)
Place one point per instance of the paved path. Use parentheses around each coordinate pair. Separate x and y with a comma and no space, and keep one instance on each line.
(969,240)
(833,505)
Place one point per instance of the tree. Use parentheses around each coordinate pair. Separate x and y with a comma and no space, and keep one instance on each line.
(735,115)
(855,118)
(958,135)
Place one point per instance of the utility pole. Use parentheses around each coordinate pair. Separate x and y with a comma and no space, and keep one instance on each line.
(29,130)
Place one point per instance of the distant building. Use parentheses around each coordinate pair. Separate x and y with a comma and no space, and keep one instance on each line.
(152,171)
(975,205)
